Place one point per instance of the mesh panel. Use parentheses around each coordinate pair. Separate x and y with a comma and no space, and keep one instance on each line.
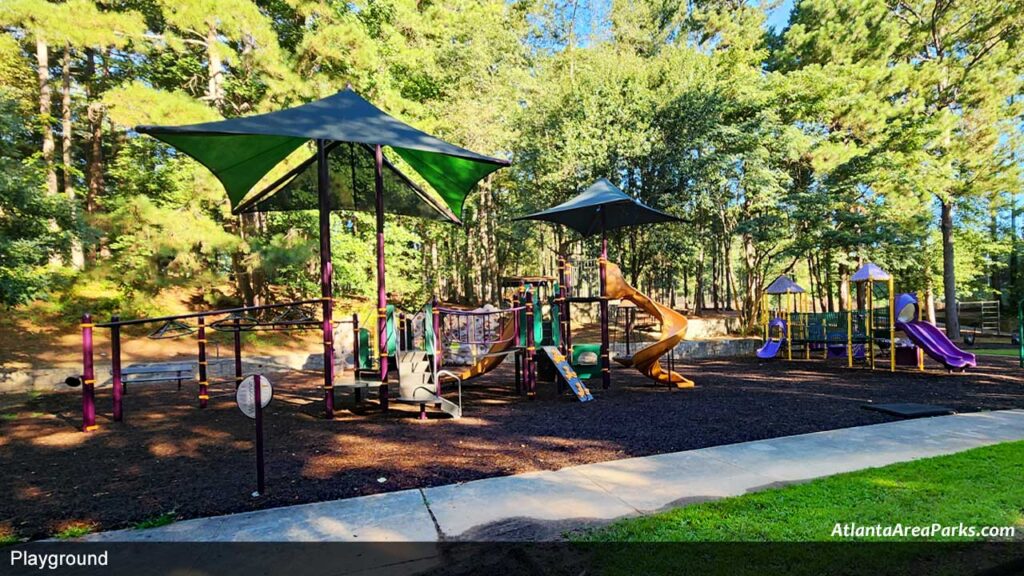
(352,187)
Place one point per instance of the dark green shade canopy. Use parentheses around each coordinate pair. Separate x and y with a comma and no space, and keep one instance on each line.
(241,151)
(599,208)
(352,171)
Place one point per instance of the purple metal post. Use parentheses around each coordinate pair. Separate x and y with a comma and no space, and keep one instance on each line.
(115,366)
(355,344)
(238,352)
(606,377)
(531,380)
(567,334)
(256,393)
(326,273)
(517,342)
(204,385)
(382,297)
(88,377)
(438,349)
(563,304)
(401,331)
(630,316)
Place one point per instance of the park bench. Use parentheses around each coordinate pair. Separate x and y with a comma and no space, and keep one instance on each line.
(157,372)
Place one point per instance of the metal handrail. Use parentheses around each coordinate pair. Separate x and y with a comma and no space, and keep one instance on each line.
(204,314)
(457,379)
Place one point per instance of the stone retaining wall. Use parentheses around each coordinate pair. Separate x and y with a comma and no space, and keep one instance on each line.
(49,379)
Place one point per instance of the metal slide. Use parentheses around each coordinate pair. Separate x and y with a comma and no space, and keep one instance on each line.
(673,330)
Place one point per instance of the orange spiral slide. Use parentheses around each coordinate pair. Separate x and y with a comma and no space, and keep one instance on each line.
(673,331)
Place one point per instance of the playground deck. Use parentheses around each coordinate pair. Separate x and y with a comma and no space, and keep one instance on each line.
(170,457)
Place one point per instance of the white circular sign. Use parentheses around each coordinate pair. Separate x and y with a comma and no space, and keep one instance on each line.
(245,396)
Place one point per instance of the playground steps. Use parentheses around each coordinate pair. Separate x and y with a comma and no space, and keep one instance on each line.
(416,384)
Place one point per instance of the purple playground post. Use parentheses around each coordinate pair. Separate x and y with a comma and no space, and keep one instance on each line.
(531,384)
(204,385)
(382,297)
(606,376)
(438,349)
(115,366)
(326,273)
(237,326)
(355,345)
(520,364)
(563,304)
(258,401)
(88,377)
(567,333)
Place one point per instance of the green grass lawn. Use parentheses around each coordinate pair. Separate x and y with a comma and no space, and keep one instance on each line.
(789,530)
(980,487)
(995,351)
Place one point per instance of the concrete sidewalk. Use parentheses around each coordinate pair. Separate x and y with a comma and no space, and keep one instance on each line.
(541,505)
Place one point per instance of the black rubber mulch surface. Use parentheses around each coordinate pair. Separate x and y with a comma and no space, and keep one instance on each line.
(170,457)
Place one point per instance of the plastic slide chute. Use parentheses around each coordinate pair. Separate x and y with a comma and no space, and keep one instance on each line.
(673,330)
(496,354)
(929,338)
(773,345)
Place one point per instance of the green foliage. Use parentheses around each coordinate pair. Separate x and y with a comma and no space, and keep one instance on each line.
(34,227)
(75,530)
(808,151)
(157,521)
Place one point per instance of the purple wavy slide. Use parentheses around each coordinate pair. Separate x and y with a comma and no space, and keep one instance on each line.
(936,344)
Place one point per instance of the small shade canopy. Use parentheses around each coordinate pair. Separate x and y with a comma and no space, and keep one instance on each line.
(241,151)
(599,208)
(870,271)
(784,285)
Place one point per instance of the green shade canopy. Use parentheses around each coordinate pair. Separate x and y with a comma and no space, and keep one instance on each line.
(599,208)
(352,171)
(241,151)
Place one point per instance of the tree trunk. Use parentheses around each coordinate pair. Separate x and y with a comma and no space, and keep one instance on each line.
(949,272)
(215,72)
(77,258)
(95,184)
(699,303)
(1014,246)
(45,107)
(829,282)
(844,287)
(995,280)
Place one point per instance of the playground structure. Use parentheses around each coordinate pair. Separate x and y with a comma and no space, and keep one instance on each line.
(600,208)
(349,171)
(234,320)
(857,333)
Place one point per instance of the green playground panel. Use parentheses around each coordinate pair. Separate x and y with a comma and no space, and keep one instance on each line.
(365,358)
(829,327)
(586,371)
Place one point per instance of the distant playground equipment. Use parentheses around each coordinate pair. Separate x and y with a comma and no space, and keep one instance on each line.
(857,333)
(600,208)
(530,331)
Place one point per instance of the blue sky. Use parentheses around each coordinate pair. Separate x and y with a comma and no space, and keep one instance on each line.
(778,17)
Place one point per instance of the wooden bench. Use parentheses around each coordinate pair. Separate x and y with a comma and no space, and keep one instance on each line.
(157,372)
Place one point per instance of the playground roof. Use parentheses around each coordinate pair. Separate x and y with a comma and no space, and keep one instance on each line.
(241,151)
(603,206)
(784,285)
(869,271)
